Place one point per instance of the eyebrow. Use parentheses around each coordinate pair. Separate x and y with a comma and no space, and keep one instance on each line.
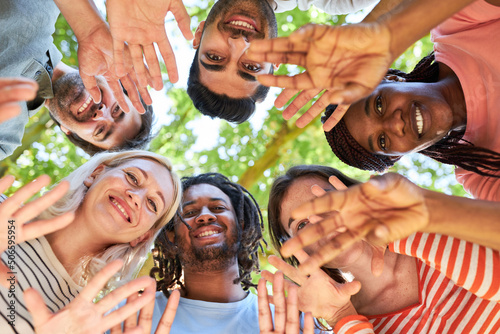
(215,68)
(214,199)
(246,76)
(290,221)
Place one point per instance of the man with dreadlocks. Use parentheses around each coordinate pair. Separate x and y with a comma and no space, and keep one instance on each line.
(209,251)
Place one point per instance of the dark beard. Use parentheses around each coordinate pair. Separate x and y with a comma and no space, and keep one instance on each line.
(67,89)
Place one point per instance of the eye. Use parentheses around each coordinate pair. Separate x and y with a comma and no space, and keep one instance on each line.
(218,208)
(214,57)
(153,205)
(252,67)
(132,178)
(302,224)
(188,213)
(116,111)
(381,142)
(99,131)
(378,104)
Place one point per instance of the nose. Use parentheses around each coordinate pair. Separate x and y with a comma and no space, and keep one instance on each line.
(134,198)
(238,43)
(205,216)
(395,124)
(102,113)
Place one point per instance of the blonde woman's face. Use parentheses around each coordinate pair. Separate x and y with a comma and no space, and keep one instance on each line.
(126,201)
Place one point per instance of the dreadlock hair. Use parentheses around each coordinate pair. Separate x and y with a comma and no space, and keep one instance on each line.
(452,149)
(279,190)
(168,268)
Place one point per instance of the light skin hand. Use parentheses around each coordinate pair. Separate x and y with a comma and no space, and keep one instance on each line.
(349,61)
(141,24)
(286,312)
(334,301)
(82,315)
(143,323)
(95,56)
(387,208)
(16,218)
(13,91)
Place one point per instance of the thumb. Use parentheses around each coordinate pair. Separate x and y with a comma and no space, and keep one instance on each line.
(36,306)
(351,288)
(90,84)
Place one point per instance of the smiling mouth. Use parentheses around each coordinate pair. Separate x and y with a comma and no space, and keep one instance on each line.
(84,106)
(121,208)
(420,121)
(206,234)
(243,24)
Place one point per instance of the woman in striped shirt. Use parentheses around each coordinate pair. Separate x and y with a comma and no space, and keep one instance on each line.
(430,283)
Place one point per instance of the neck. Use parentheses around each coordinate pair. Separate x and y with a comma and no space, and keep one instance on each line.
(213,285)
(454,95)
(72,244)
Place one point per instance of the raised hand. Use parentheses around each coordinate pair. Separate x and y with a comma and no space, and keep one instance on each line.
(15,217)
(143,323)
(286,312)
(334,301)
(384,209)
(95,56)
(302,99)
(349,61)
(13,91)
(141,24)
(82,315)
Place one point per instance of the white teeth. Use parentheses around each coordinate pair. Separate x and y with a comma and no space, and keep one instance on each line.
(85,105)
(420,120)
(243,24)
(206,233)
(120,207)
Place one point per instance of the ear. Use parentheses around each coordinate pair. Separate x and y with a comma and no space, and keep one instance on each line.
(90,179)
(143,237)
(197,35)
(65,130)
(393,78)
(171,236)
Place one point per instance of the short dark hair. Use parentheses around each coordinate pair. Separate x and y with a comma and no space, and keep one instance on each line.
(168,268)
(452,149)
(140,141)
(221,105)
(278,192)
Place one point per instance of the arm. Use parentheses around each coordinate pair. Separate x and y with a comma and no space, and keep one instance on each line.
(479,186)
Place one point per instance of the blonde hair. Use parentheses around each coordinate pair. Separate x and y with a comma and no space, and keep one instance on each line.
(133,257)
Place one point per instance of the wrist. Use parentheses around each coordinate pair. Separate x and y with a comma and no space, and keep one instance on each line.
(345,311)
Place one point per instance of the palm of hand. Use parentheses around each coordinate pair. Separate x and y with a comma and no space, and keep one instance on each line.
(95,53)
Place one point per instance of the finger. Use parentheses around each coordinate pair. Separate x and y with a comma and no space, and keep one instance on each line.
(183,20)
(299,81)
(36,306)
(308,323)
(90,84)
(335,117)
(12,204)
(351,93)
(265,317)
(153,65)
(292,312)
(133,287)
(296,58)
(17,92)
(9,110)
(6,182)
(300,101)
(332,249)
(6,279)
(44,227)
(350,288)
(167,319)
(312,233)
(279,303)
(138,61)
(146,313)
(143,91)
(130,322)
(317,190)
(34,208)
(118,92)
(287,269)
(336,183)
(10,81)
(100,279)
(301,256)
(284,97)
(316,109)
(126,311)
(133,95)
(118,58)
(280,44)
(309,32)
(117,329)
(169,58)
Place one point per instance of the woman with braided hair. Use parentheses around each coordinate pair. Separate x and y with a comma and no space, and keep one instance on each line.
(446,108)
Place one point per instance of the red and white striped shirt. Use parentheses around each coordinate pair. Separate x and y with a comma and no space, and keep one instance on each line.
(459,285)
